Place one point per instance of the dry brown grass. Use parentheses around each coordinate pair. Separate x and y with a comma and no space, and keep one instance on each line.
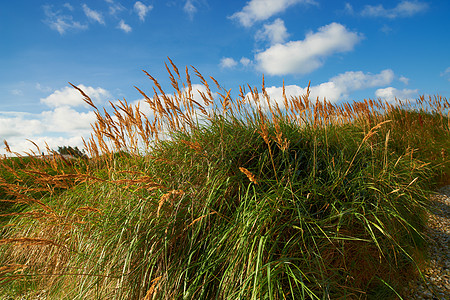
(124,128)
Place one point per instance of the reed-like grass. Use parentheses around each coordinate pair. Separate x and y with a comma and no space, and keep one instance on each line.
(221,198)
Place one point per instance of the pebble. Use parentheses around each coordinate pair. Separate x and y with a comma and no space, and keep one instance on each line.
(437,269)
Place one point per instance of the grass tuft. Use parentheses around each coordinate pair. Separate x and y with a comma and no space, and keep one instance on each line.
(222,198)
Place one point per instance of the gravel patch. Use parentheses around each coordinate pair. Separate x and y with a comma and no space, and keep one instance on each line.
(436,271)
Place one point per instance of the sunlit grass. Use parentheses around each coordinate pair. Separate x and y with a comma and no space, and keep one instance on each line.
(228,199)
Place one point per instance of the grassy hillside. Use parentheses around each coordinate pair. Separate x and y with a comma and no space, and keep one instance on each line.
(240,198)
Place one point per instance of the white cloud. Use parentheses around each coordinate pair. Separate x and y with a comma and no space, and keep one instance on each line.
(245,61)
(404,79)
(125,27)
(21,145)
(63,124)
(114,7)
(69,96)
(190,8)
(60,22)
(403,9)
(196,88)
(14,124)
(68,6)
(274,33)
(142,9)
(17,92)
(352,81)
(228,62)
(386,29)
(301,57)
(349,8)
(260,10)
(42,88)
(337,88)
(67,120)
(390,94)
(144,107)
(93,15)
(66,123)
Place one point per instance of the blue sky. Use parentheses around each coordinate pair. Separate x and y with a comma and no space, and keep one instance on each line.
(350,50)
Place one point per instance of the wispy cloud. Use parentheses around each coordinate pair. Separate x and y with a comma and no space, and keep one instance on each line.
(125,27)
(260,10)
(68,6)
(301,57)
(403,9)
(61,22)
(190,8)
(245,61)
(114,7)
(404,80)
(142,9)
(93,15)
(17,92)
(348,8)
(446,73)
(386,29)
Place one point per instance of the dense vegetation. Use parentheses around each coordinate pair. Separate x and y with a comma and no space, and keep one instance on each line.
(242,198)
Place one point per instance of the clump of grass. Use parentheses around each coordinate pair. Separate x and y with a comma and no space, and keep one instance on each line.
(244,198)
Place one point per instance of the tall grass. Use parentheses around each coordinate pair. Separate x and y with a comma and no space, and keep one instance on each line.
(221,198)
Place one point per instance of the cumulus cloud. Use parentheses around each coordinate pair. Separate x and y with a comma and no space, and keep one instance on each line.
(260,10)
(67,120)
(228,62)
(93,15)
(301,57)
(274,33)
(142,9)
(337,88)
(69,96)
(14,124)
(60,22)
(64,122)
(125,27)
(403,9)
(144,107)
(390,94)
(352,81)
